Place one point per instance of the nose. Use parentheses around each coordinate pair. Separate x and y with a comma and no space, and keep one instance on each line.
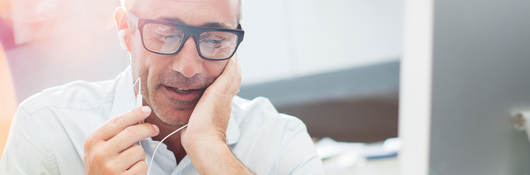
(187,61)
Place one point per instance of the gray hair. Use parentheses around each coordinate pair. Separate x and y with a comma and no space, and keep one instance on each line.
(125,5)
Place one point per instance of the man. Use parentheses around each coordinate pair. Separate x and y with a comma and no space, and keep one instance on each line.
(183,56)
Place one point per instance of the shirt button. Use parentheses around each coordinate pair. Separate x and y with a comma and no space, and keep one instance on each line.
(152,145)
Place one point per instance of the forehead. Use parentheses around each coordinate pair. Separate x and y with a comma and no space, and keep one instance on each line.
(191,12)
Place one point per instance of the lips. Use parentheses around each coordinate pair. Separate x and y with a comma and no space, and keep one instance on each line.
(182,94)
(182,91)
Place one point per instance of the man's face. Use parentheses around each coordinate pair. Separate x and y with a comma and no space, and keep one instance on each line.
(165,76)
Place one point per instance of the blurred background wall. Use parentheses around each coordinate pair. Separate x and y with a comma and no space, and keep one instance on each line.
(7,99)
(290,38)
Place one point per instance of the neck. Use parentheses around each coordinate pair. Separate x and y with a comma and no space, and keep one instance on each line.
(172,142)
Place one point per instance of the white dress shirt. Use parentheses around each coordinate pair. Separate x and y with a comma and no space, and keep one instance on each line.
(50,128)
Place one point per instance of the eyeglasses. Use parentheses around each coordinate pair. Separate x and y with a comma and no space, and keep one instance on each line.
(167,38)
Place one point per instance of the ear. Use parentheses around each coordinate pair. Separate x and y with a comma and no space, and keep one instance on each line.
(120,18)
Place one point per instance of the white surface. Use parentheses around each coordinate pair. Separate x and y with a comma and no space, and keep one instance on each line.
(388,166)
(415,88)
(351,157)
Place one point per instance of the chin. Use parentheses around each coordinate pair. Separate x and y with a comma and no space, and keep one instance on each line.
(171,111)
(174,119)
(172,115)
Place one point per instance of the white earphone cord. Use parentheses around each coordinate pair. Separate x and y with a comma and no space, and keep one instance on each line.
(139,99)
(157,145)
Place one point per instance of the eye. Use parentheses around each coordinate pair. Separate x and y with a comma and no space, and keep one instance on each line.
(166,37)
(169,38)
(214,43)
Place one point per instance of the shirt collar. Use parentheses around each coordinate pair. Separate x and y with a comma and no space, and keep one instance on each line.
(125,98)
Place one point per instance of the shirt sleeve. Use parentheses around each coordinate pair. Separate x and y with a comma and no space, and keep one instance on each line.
(22,155)
(299,155)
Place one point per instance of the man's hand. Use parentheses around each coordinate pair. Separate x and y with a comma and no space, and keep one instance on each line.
(205,137)
(112,149)
(209,119)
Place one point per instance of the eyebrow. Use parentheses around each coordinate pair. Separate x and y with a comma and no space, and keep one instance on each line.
(208,24)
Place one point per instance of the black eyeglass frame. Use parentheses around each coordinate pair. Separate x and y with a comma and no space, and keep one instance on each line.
(188,31)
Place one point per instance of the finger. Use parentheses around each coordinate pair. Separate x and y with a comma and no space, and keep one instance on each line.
(237,77)
(116,125)
(233,74)
(131,135)
(130,156)
(138,168)
(229,68)
(232,67)
(229,81)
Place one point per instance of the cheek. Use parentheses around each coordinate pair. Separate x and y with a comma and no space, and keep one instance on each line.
(138,56)
(215,68)
(148,67)
(154,66)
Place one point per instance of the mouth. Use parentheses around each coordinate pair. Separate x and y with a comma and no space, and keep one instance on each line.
(183,94)
(183,91)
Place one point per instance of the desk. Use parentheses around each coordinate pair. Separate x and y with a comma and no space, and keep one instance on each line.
(387,166)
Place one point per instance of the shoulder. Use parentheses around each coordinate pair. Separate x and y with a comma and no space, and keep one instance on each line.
(56,118)
(74,95)
(259,122)
(272,142)
(47,124)
(261,112)
(62,113)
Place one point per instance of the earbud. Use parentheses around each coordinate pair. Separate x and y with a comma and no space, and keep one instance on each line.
(121,34)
